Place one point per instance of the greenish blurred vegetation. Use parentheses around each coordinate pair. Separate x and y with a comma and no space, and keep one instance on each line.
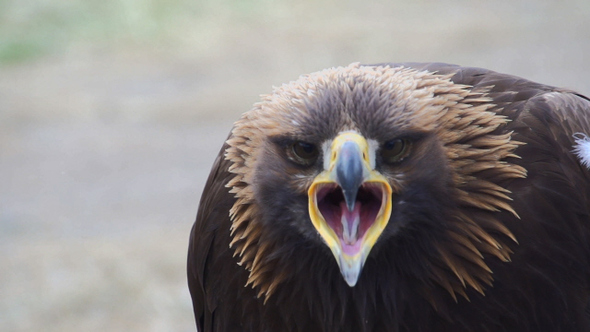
(33,28)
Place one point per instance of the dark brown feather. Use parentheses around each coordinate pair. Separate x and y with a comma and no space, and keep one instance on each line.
(481,246)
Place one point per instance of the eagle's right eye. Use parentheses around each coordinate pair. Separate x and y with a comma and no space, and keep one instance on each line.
(303,153)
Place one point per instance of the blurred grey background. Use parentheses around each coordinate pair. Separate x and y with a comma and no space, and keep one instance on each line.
(112,111)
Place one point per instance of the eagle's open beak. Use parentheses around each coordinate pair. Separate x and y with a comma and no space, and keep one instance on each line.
(350,204)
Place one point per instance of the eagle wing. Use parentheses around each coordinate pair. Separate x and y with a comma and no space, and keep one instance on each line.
(206,245)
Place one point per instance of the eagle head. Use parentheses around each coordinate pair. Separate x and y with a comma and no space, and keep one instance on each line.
(350,160)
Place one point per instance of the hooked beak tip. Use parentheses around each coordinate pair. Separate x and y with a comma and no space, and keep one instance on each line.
(350,198)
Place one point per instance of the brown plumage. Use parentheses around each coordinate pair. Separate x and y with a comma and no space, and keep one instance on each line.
(470,213)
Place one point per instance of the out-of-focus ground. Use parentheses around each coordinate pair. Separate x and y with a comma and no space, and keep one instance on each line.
(111,113)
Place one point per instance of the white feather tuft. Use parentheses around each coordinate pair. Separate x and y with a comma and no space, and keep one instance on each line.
(582,148)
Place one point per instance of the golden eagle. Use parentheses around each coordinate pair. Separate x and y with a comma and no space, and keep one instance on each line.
(399,197)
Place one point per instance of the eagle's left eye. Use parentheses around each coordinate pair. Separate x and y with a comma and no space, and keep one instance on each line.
(395,150)
(303,153)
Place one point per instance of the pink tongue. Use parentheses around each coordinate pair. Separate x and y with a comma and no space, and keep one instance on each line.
(350,226)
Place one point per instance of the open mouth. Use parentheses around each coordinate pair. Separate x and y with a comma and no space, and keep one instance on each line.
(349,203)
(351,226)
